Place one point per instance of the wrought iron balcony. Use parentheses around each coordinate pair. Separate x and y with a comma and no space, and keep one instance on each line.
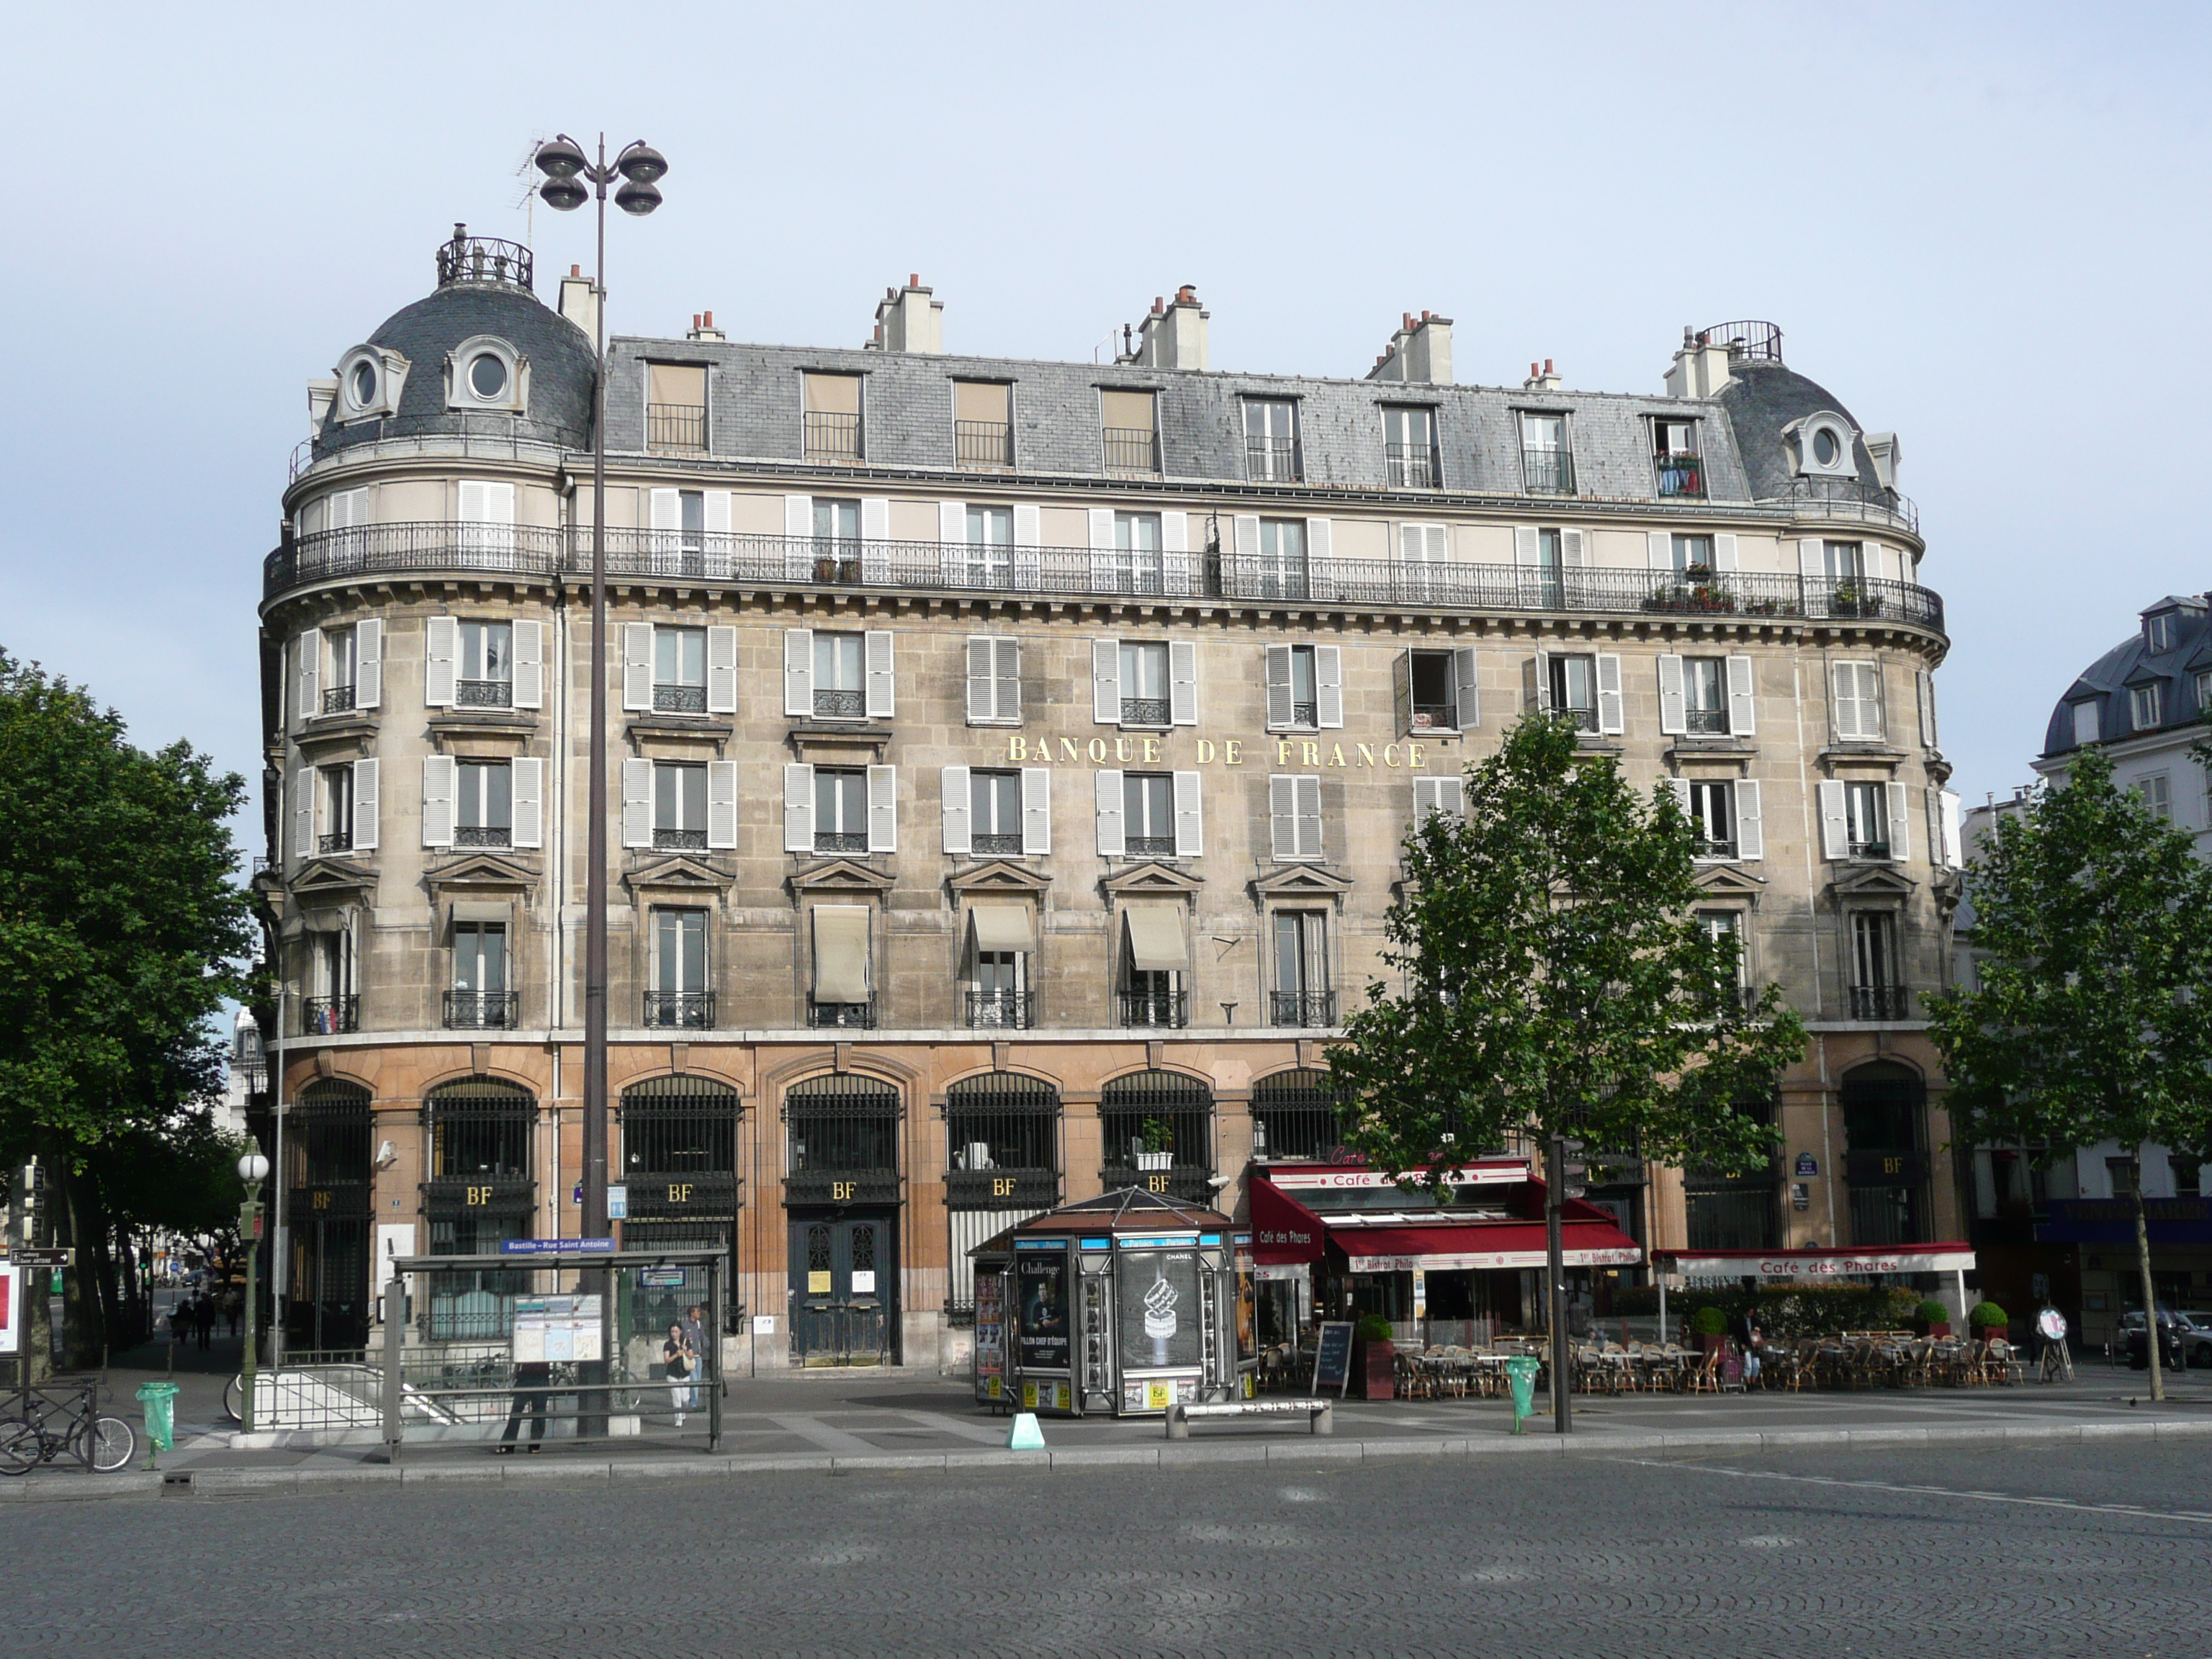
(1548,471)
(1435,717)
(338,699)
(680,699)
(486,259)
(1410,466)
(1875,851)
(1680,477)
(1146,711)
(797,562)
(841,840)
(681,841)
(831,437)
(681,427)
(1711,847)
(841,705)
(1166,1009)
(484,693)
(1705,722)
(841,1016)
(996,847)
(484,834)
(1879,1002)
(1130,449)
(1302,1007)
(1001,1011)
(328,1015)
(680,1010)
(1149,846)
(338,841)
(482,1010)
(983,443)
(1271,460)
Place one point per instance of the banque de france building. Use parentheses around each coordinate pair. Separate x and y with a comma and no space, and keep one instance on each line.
(1008,766)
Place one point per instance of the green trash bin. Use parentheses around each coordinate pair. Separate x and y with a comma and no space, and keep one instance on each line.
(158,1400)
(1521,1374)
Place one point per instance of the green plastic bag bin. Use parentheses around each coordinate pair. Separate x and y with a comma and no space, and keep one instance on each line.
(158,1400)
(1520,1376)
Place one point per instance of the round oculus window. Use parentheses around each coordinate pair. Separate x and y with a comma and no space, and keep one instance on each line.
(364,385)
(487,376)
(1824,447)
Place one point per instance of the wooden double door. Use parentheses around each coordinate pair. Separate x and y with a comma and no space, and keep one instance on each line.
(844,1287)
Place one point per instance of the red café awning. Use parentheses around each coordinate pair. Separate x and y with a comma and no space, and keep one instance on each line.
(1286,1232)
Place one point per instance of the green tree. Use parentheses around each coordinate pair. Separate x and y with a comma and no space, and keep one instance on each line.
(122,930)
(2090,1014)
(1556,982)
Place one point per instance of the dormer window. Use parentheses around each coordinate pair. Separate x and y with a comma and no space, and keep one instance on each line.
(2161,631)
(1823,444)
(2144,704)
(1827,449)
(369,380)
(362,390)
(487,376)
(486,373)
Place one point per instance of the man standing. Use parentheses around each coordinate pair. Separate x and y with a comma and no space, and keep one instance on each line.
(695,1332)
(204,1320)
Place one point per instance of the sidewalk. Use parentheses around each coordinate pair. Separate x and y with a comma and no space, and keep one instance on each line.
(850,1421)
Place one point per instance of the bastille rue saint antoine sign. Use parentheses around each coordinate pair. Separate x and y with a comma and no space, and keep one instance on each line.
(1305,754)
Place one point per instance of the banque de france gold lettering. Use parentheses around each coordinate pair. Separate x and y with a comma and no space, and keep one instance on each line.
(1024,749)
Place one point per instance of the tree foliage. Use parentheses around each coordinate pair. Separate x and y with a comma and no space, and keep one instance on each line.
(1555,979)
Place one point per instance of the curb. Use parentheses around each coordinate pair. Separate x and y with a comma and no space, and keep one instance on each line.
(1300,1450)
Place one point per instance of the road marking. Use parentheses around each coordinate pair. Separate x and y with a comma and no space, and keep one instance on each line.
(2133,1510)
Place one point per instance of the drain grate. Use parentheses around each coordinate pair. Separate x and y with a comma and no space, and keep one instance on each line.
(177,1485)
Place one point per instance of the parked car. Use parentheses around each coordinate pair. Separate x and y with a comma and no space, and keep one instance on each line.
(2196,1328)
(2184,1338)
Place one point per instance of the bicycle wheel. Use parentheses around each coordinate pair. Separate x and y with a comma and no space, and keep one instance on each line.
(234,1398)
(20,1447)
(113,1441)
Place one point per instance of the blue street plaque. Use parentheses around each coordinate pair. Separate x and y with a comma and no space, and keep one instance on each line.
(552,1246)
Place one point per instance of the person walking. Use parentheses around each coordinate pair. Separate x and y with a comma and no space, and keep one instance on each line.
(531,1379)
(204,1321)
(230,1304)
(181,1322)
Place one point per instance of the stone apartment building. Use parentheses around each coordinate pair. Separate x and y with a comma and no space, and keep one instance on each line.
(1011,763)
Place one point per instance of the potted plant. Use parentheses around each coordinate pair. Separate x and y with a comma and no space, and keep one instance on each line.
(1932,1318)
(1158,1152)
(1374,1357)
(1845,602)
(1988,1321)
(1710,1325)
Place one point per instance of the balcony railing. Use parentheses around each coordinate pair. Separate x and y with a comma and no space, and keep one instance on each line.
(486,259)
(1155,1008)
(678,427)
(1879,1002)
(679,1011)
(680,699)
(983,443)
(1001,1011)
(1149,846)
(337,699)
(681,841)
(338,841)
(1708,848)
(1130,449)
(1435,717)
(840,1016)
(1705,722)
(1302,1007)
(841,705)
(995,847)
(1271,460)
(1877,851)
(1548,471)
(752,561)
(484,834)
(1410,466)
(1147,711)
(1680,477)
(832,437)
(484,693)
(482,1010)
(841,840)
(328,1015)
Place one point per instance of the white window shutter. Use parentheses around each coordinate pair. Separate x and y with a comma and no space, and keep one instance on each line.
(368,662)
(1536,680)
(718,513)
(721,805)
(875,540)
(1309,801)
(1280,711)
(1680,789)
(1743,698)
(1844,681)
(665,509)
(1451,796)
(1427,798)
(637,803)
(1175,552)
(1525,546)
(1283,816)
(1871,724)
(1932,803)
(1190,816)
(1900,824)
(1036,810)
(1006,670)
(1321,559)
(953,543)
(1835,832)
(1106,681)
(311,673)
(527,798)
(1612,707)
(1029,543)
(528,661)
(437,800)
(441,649)
(958,809)
(1467,688)
(1875,560)
(721,671)
(1245,528)
(798,538)
(1111,835)
(304,784)
(1750,831)
(1182,681)
(1812,557)
(798,808)
(1659,549)
(637,666)
(1101,548)
(1949,841)
(1725,551)
(1673,717)
(1574,549)
(798,676)
(475,503)
(883,678)
(982,682)
(1923,684)
(366,807)
(883,809)
(1328,686)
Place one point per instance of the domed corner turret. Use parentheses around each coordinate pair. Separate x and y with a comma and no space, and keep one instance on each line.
(2149,682)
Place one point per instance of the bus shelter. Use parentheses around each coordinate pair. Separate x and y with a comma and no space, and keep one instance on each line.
(1120,1305)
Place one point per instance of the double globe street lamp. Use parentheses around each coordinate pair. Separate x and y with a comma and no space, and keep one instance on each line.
(253,1169)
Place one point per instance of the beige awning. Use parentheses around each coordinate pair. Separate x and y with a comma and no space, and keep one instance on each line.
(840,953)
(1003,927)
(1156,942)
(496,911)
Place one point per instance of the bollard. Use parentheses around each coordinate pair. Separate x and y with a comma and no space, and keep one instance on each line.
(1178,1424)
(1026,1435)
(158,1401)
(1520,1377)
(1324,1420)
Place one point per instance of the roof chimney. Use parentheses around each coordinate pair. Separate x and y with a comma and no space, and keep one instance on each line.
(1543,379)
(1174,336)
(1420,350)
(909,319)
(1700,368)
(580,303)
(702,328)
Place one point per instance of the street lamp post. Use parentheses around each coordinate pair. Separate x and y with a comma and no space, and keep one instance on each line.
(567,170)
(253,1169)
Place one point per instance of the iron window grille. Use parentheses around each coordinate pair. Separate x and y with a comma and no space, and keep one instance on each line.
(331,1124)
(680,426)
(1002,1143)
(482,1010)
(1146,711)
(480,1132)
(1149,846)
(832,437)
(1411,467)
(1303,1007)
(841,1016)
(484,834)
(693,841)
(841,705)
(1878,1002)
(484,693)
(686,1010)
(680,699)
(679,1151)
(995,846)
(1271,460)
(338,699)
(1135,1111)
(983,443)
(1130,449)
(338,841)
(840,841)
(1548,471)
(1298,1114)
(842,1136)
(330,1015)
(1001,1010)
(1169,1009)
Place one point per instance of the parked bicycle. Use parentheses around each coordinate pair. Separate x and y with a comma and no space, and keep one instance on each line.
(40,1425)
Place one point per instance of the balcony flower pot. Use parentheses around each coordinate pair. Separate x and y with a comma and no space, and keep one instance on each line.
(1148,1161)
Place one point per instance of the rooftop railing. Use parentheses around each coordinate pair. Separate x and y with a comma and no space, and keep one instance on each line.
(779,561)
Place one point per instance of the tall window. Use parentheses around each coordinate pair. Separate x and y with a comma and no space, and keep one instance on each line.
(335,785)
(990,546)
(1547,464)
(679,804)
(1885,1110)
(833,418)
(484,803)
(1876,993)
(1845,560)
(1137,566)
(839,676)
(676,408)
(1727,924)
(1866,820)
(1549,566)
(340,643)
(836,540)
(1130,445)
(679,670)
(480,999)
(1674,458)
(1712,815)
(841,808)
(1692,555)
(1303,994)
(1409,448)
(2158,795)
(995,799)
(1705,695)
(1145,698)
(982,423)
(2143,701)
(679,997)
(1295,703)
(1148,806)
(1282,570)
(485,670)
(331,1007)
(1151,1114)
(1574,689)
(1271,440)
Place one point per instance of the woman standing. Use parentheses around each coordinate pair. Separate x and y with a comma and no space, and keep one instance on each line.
(679,1360)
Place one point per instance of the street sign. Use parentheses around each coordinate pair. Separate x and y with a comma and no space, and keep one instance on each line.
(28,1257)
(552,1246)
(660,1279)
(617,1203)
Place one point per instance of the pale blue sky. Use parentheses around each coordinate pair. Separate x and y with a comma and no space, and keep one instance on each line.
(1984,227)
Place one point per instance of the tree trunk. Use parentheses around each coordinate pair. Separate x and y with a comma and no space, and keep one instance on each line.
(1555,1281)
(79,1302)
(2150,1298)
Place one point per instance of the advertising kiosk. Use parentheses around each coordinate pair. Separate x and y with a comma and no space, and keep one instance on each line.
(1120,1305)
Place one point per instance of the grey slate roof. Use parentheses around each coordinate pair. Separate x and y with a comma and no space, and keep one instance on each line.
(1761,399)
(2131,663)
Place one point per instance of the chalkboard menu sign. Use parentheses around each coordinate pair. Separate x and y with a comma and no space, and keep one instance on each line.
(1333,1359)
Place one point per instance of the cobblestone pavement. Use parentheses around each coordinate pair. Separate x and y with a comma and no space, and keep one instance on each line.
(1946,1553)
